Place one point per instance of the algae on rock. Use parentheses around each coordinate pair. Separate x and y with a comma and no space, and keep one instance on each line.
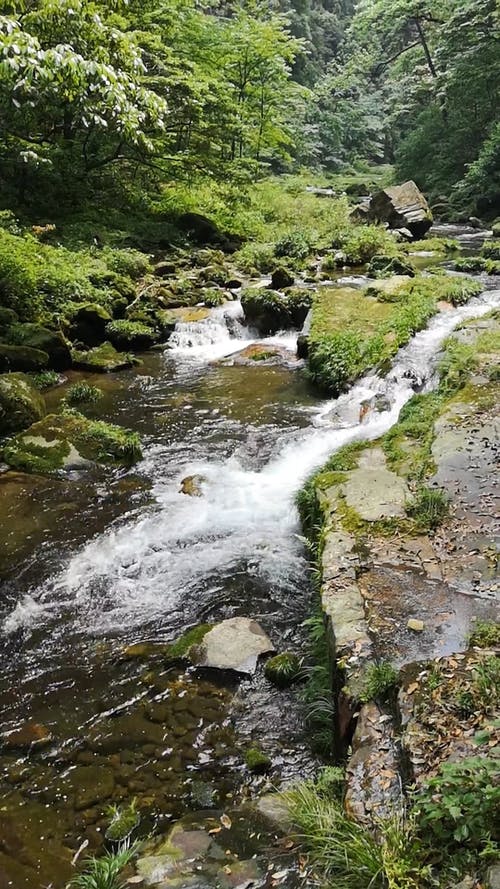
(20,403)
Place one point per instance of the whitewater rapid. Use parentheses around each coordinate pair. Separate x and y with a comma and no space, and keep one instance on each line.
(147,567)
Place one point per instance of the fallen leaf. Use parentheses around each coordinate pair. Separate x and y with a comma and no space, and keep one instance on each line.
(412,688)
(226,821)
(136,879)
(214,830)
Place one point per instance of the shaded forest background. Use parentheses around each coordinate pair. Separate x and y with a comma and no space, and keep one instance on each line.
(121,98)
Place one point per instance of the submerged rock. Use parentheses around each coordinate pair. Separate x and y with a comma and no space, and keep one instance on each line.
(69,441)
(234,644)
(20,403)
(26,737)
(191,485)
(402,206)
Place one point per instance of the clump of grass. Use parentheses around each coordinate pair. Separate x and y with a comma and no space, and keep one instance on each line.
(379,681)
(486,634)
(283,669)
(428,508)
(256,760)
(82,393)
(45,379)
(123,821)
(104,872)
(262,355)
(317,694)
(347,854)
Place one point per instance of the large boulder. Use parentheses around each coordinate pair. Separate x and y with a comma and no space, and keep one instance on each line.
(20,404)
(402,206)
(35,336)
(70,441)
(269,311)
(130,335)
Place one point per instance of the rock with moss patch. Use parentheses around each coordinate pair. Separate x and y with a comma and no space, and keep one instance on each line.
(88,323)
(7,318)
(20,403)
(269,311)
(382,266)
(103,359)
(257,761)
(234,644)
(34,336)
(388,289)
(130,335)
(22,358)
(283,670)
(68,441)
(281,278)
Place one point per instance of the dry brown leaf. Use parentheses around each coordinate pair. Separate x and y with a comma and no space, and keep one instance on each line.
(226,821)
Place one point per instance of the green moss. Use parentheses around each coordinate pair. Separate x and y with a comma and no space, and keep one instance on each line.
(361,243)
(35,336)
(181,647)
(257,761)
(270,311)
(20,403)
(262,355)
(283,669)
(49,444)
(351,332)
(382,266)
(436,245)
(212,298)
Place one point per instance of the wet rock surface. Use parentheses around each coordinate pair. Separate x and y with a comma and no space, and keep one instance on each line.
(235,644)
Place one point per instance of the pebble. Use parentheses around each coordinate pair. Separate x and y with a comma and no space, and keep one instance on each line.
(416,625)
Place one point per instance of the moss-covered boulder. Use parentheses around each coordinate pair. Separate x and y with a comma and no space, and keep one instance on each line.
(491,250)
(130,335)
(102,359)
(269,311)
(22,358)
(87,323)
(382,266)
(257,761)
(20,403)
(35,336)
(281,278)
(70,440)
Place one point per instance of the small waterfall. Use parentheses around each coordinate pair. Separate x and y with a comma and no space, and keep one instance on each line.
(140,572)
(219,334)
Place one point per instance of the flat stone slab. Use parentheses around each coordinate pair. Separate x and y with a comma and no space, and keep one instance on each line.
(376,493)
(234,644)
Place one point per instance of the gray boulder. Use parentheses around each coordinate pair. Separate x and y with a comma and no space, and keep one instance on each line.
(234,644)
(402,206)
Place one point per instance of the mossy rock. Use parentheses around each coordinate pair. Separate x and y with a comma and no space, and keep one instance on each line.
(20,403)
(64,441)
(102,359)
(257,761)
(88,323)
(22,358)
(7,318)
(491,250)
(283,670)
(281,278)
(382,266)
(34,336)
(130,335)
(183,645)
(269,311)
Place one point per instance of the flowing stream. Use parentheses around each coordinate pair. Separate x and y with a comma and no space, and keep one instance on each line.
(110,559)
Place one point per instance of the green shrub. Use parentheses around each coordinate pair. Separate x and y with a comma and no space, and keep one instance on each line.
(213,298)
(80,393)
(334,361)
(128,262)
(428,508)
(458,807)
(297,244)
(379,681)
(255,257)
(361,243)
(491,250)
(383,266)
(130,334)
